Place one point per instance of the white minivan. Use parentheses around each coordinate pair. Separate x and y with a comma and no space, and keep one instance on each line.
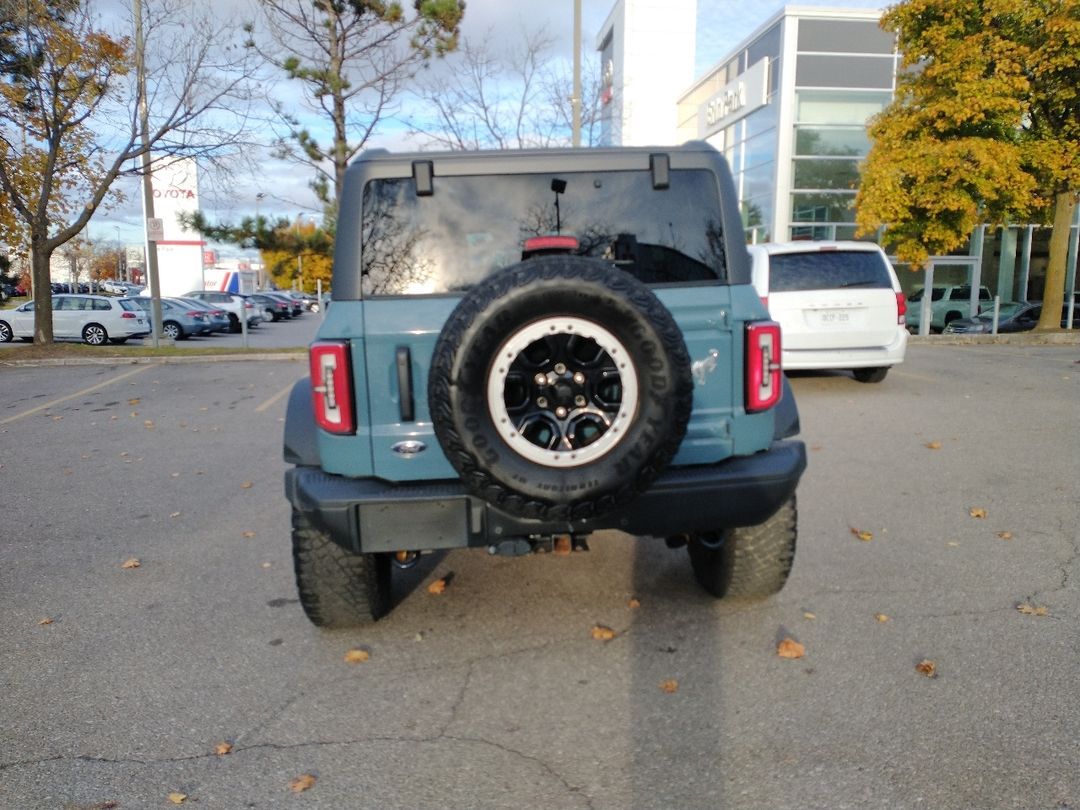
(839,305)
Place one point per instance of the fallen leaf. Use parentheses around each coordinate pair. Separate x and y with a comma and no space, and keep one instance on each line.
(357,656)
(267,565)
(58,419)
(602,633)
(790,648)
(134,401)
(131,563)
(46,620)
(175,515)
(301,783)
(177,798)
(246,485)
(248,534)
(634,602)
(977,512)
(148,424)
(933,445)
(1005,535)
(927,668)
(670,686)
(862,535)
(223,748)
(438,586)
(809,616)
(1032,610)
(881,617)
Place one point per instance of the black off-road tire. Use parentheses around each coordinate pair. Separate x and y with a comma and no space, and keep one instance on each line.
(870,375)
(752,561)
(337,587)
(584,303)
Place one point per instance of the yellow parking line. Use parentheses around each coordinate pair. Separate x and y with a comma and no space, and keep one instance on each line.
(274,398)
(83,392)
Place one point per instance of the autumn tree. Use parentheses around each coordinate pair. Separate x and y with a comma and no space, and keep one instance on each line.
(69,120)
(351,59)
(511,97)
(985,128)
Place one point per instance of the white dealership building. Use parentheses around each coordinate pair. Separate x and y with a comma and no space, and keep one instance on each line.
(788,108)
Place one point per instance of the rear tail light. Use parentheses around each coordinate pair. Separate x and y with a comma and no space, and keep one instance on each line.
(128,315)
(901,309)
(331,386)
(763,384)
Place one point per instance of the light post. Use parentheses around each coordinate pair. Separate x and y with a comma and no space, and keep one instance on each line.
(119,267)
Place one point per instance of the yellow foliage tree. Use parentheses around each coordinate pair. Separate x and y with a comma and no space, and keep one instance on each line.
(985,128)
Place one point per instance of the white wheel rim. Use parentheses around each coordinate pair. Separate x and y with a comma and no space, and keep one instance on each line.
(564,421)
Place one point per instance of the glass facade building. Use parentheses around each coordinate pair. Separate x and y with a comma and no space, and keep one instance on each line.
(795,137)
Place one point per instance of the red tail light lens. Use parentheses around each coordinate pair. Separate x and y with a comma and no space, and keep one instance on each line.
(331,386)
(901,309)
(763,384)
(128,315)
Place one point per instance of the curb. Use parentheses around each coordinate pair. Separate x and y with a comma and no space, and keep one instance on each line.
(1069,338)
(136,361)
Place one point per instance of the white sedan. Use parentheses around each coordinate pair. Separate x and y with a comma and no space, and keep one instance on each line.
(93,319)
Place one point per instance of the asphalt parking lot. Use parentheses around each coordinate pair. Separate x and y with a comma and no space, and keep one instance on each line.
(934,593)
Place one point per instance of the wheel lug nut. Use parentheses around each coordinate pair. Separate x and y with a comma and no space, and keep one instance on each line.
(579,400)
(540,379)
(579,378)
(560,368)
(561,412)
(541,402)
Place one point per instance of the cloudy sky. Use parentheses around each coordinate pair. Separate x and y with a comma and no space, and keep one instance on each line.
(722,24)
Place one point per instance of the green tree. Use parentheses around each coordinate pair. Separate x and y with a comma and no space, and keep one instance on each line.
(68,122)
(352,58)
(985,127)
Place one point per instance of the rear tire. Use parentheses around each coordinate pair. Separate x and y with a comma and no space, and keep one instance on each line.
(337,587)
(870,375)
(94,334)
(751,561)
(5,332)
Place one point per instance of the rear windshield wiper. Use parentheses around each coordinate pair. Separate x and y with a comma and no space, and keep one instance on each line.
(866,282)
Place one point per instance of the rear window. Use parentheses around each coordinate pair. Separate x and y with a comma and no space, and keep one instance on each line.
(473,225)
(827,270)
(127,306)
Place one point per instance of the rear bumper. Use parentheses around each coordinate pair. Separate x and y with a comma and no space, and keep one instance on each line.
(371,515)
(805,359)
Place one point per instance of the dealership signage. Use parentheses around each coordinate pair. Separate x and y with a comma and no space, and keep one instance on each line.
(738,98)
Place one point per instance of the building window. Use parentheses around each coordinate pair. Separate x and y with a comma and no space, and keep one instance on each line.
(821,141)
(831,107)
(844,36)
(817,207)
(825,173)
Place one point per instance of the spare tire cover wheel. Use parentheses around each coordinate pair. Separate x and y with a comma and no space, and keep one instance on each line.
(559,388)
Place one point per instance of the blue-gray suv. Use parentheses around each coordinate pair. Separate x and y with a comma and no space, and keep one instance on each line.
(526,347)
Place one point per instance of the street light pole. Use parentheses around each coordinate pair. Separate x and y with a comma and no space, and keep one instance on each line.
(575,102)
(147,183)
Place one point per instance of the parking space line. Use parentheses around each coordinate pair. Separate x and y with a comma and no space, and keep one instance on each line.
(83,392)
(274,398)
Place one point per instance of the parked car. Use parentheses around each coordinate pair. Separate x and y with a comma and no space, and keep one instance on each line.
(235,306)
(307,301)
(276,309)
(93,319)
(1013,316)
(216,316)
(948,302)
(177,322)
(839,305)
(294,307)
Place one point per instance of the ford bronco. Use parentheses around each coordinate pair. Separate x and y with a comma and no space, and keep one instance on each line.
(526,347)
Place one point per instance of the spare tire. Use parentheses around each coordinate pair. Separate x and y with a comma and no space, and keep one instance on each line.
(560,388)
